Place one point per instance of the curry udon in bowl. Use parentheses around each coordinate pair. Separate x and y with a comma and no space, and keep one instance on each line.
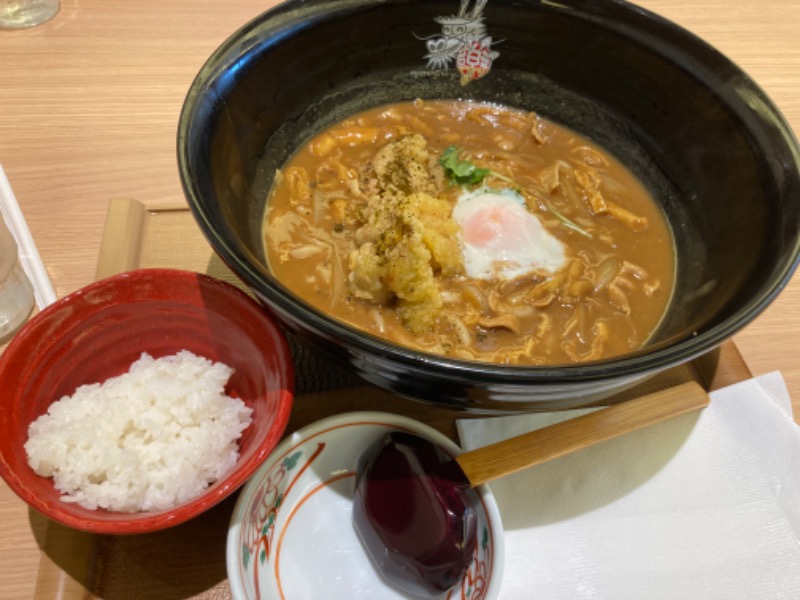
(550,252)
(463,204)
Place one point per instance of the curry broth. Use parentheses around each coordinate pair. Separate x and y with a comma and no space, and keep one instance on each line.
(606,300)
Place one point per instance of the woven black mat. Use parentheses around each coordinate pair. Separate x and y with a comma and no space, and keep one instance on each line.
(315,372)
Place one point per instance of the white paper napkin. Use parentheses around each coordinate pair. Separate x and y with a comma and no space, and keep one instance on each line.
(704,506)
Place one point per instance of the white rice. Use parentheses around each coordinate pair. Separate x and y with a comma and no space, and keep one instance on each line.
(148,440)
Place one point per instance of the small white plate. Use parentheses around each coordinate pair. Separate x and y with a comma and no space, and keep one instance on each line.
(291,535)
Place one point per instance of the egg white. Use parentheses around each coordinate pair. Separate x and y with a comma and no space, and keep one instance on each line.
(501,239)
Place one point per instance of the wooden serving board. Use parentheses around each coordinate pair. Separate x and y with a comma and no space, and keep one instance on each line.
(188,561)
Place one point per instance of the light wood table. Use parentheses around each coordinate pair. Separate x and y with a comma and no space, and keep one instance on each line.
(89,105)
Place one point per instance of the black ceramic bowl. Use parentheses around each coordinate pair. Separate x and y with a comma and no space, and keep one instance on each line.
(698,131)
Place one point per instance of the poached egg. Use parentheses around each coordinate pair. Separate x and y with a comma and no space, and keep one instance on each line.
(501,239)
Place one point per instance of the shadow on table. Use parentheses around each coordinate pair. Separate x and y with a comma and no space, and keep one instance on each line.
(184,561)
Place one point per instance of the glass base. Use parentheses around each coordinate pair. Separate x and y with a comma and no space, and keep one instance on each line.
(20,14)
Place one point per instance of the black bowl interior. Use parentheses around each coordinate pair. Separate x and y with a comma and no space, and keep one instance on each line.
(698,132)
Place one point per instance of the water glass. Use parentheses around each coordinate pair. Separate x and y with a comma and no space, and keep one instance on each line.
(19,14)
(16,292)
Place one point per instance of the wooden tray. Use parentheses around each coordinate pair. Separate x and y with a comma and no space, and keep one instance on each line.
(188,561)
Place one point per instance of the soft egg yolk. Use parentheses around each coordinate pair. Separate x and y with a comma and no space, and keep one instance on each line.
(500,238)
(494,226)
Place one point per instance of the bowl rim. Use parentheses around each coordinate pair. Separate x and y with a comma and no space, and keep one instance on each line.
(681,42)
(340,420)
(145,522)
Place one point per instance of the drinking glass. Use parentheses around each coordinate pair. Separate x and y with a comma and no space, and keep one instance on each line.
(19,14)
(16,292)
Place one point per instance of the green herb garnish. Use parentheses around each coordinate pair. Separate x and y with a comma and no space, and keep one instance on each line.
(461,172)
(465,172)
(567,223)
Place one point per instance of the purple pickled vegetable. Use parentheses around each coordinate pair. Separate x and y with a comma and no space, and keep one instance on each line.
(413,514)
